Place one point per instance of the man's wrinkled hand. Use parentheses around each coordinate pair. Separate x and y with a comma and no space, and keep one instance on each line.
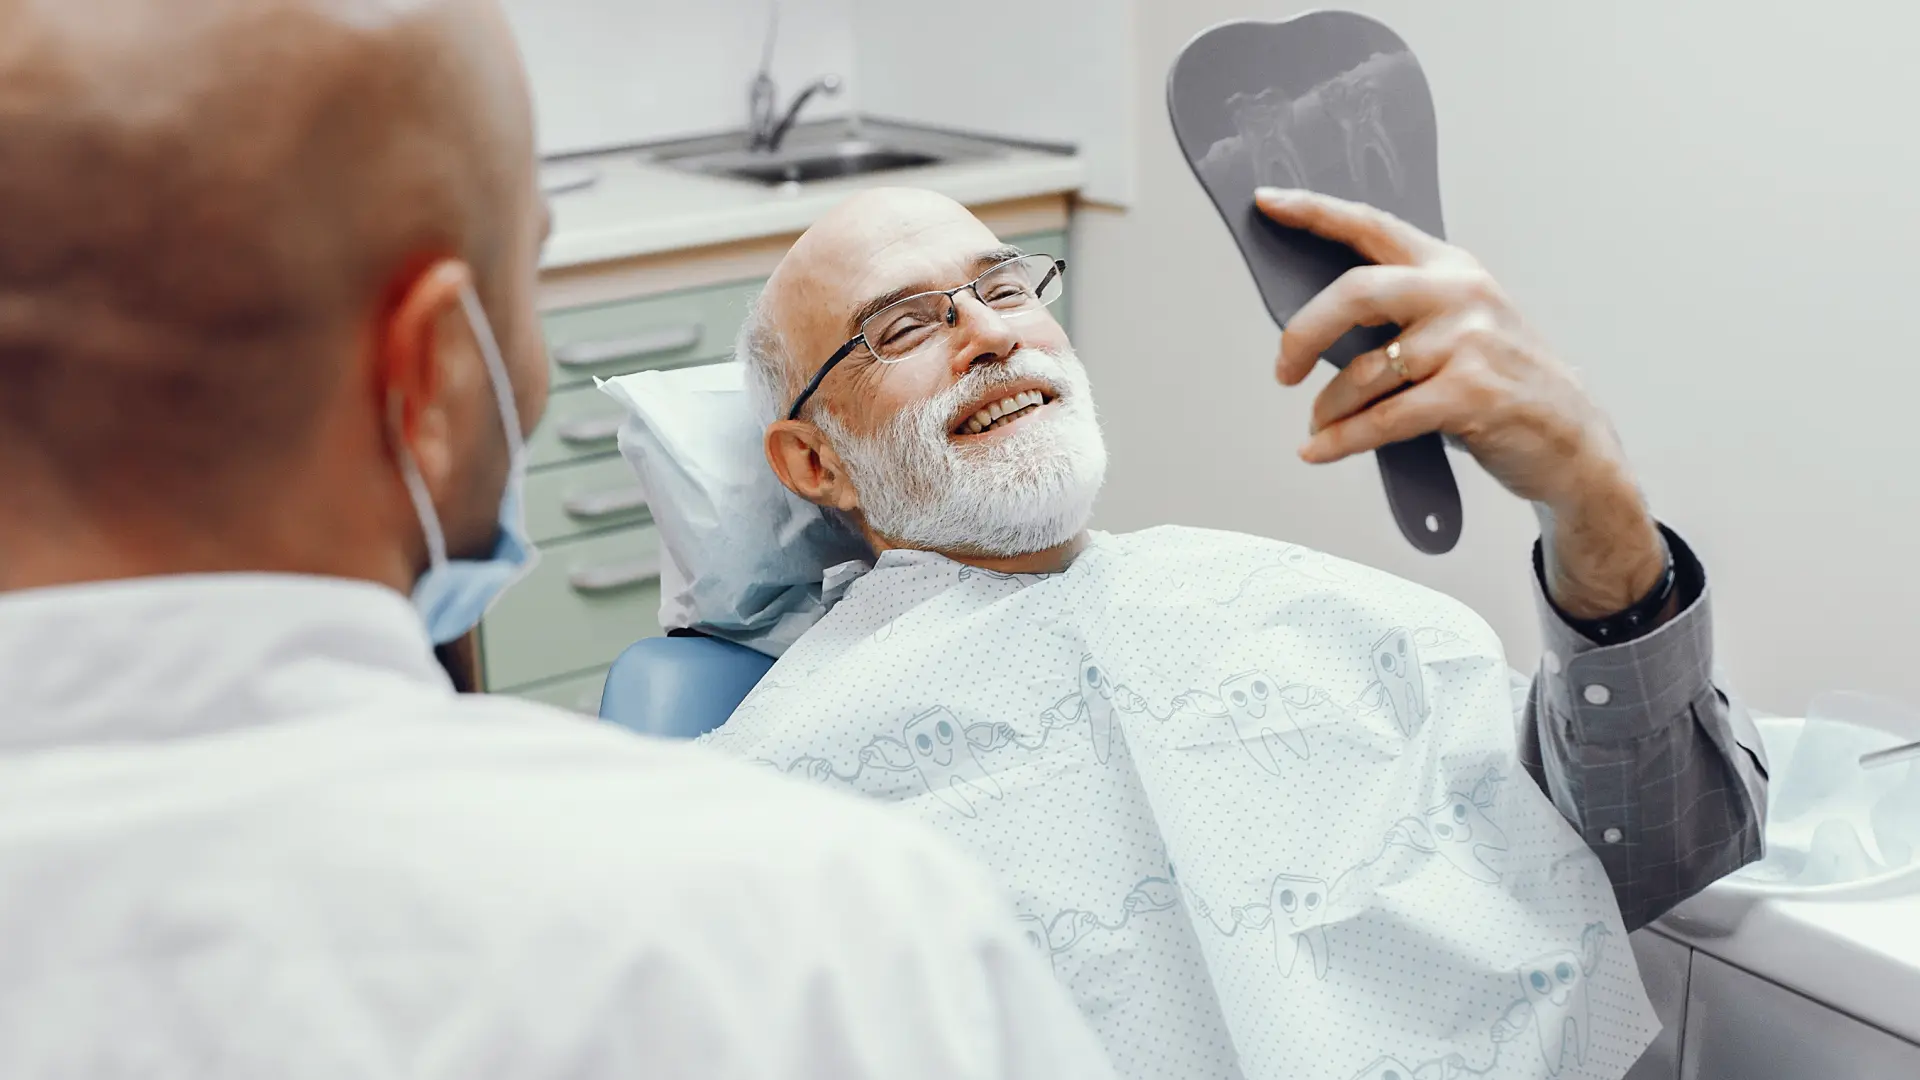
(1468,366)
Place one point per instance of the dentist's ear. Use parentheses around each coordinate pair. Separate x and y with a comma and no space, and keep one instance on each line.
(800,457)
(416,330)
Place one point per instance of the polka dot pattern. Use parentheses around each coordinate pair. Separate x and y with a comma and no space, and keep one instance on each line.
(1260,808)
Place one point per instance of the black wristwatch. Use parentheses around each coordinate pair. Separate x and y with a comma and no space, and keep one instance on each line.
(1638,620)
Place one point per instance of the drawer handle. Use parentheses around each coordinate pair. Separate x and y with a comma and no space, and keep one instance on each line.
(599,580)
(597,505)
(585,354)
(592,429)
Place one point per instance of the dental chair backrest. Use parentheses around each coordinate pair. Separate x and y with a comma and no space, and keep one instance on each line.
(679,687)
(745,563)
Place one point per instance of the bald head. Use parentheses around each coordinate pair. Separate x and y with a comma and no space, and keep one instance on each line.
(210,207)
(865,229)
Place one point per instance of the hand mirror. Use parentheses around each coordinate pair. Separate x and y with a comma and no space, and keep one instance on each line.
(1336,103)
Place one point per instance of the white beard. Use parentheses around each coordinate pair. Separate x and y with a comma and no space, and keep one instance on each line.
(1028,491)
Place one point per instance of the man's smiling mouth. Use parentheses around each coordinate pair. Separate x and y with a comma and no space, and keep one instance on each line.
(1001,413)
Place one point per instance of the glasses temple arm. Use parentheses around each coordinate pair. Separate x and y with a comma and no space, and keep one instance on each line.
(845,351)
(1059,267)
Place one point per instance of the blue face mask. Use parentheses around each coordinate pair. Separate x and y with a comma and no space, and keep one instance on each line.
(454,593)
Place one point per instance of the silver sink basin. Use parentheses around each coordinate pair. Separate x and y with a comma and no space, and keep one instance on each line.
(829,150)
(846,159)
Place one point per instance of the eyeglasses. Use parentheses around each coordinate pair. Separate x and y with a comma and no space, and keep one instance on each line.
(924,322)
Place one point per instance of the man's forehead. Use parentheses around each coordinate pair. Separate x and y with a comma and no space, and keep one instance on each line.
(932,255)
(875,245)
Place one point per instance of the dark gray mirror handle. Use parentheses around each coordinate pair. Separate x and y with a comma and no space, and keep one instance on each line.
(1421,490)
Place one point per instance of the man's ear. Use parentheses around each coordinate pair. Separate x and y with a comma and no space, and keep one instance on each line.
(809,468)
(414,379)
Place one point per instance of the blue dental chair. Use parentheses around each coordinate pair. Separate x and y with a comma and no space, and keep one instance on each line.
(680,686)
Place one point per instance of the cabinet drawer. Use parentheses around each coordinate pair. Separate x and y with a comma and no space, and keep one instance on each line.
(579,422)
(575,693)
(651,332)
(587,600)
(583,496)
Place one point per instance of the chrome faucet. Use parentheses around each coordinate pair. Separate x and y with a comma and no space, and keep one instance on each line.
(763,131)
(768,133)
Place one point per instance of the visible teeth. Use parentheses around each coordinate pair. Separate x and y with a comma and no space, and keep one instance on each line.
(1005,407)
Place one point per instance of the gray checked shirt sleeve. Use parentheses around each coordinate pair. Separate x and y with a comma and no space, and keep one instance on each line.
(1658,769)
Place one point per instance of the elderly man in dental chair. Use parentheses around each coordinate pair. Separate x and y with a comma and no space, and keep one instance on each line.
(1267,812)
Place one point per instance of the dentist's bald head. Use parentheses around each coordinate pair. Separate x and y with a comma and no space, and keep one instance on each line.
(235,234)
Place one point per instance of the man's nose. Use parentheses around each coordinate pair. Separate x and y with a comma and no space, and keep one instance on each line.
(981,334)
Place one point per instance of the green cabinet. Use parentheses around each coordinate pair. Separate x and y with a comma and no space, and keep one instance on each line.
(580,422)
(589,598)
(694,326)
(589,496)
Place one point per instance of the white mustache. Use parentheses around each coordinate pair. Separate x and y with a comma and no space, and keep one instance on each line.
(1027,365)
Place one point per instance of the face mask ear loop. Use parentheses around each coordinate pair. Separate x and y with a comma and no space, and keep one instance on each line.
(497,370)
(417,488)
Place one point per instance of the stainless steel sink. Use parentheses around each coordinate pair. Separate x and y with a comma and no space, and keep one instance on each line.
(829,150)
(845,159)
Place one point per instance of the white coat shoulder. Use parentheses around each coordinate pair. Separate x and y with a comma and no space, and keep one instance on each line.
(489,888)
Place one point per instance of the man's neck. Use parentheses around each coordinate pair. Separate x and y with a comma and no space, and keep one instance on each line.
(76,550)
(1046,561)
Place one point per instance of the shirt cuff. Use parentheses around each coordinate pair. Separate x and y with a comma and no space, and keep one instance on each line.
(1617,693)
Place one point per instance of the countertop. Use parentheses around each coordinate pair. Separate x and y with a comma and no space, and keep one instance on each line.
(1854,947)
(639,208)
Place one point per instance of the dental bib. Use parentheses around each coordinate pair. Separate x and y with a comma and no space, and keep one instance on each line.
(1260,808)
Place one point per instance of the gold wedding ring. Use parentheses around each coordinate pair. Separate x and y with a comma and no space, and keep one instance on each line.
(1398,366)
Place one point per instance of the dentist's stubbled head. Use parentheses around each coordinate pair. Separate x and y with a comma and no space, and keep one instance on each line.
(257,256)
(958,418)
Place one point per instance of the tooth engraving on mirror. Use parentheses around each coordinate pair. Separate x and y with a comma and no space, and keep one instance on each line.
(1272,125)
(1354,100)
(1265,122)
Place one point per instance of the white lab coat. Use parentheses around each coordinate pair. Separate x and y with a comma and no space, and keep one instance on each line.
(248,830)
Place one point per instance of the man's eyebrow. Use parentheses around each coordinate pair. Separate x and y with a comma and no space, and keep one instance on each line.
(981,263)
(987,260)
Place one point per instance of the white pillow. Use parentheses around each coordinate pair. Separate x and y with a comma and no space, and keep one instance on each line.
(746,559)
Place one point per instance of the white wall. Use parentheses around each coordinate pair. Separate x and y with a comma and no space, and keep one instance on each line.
(1711,208)
(1053,70)
(610,73)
